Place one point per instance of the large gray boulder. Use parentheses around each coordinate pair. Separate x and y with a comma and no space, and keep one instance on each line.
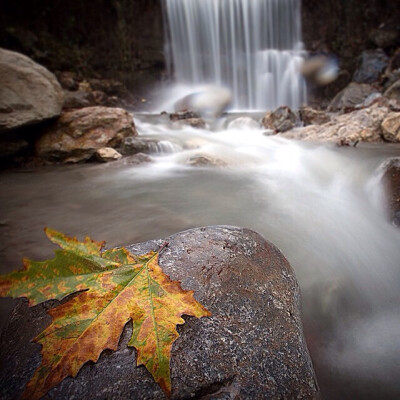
(251,348)
(29,93)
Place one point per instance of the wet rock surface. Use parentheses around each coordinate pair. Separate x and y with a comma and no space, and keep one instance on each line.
(77,134)
(251,348)
(281,120)
(29,92)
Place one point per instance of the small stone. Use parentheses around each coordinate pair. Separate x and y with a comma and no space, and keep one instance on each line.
(106,154)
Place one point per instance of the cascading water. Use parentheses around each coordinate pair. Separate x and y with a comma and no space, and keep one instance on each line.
(253,47)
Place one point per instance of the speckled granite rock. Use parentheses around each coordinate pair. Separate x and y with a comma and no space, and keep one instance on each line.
(251,348)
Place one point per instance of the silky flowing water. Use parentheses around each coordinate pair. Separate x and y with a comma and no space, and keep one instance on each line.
(252,47)
(323,206)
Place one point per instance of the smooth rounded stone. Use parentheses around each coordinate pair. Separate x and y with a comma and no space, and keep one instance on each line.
(311,116)
(77,134)
(351,96)
(391,127)
(281,120)
(29,92)
(251,348)
(372,65)
(106,154)
(358,126)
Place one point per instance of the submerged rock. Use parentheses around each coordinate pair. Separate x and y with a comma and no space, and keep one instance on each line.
(205,161)
(77,134)
(251,348)
(29,92)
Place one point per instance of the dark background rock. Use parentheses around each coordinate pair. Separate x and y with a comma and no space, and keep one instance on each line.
(371,65)
(251,348)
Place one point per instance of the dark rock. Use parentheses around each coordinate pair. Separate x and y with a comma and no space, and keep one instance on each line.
(78,99)
(108,86)
(372,64)
(281,120)
(29,92)
(391,179)
(77,134)
(351,97)
(11,144)
(68,80)
(310,116)
(133,145)
(384,37)
(251,348)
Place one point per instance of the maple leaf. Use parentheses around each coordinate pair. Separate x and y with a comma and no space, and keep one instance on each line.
(114,287)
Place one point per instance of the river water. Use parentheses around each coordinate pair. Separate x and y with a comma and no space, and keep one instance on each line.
(323,206)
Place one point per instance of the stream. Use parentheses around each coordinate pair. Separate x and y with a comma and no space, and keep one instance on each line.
(323,206)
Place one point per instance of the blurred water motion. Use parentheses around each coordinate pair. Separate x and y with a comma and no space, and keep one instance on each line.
(321,205)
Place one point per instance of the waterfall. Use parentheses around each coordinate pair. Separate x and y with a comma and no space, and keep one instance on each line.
(253,47)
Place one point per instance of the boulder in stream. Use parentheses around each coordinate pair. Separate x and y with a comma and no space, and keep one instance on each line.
(281,120)
(77,134)
(252,347)
(29,92)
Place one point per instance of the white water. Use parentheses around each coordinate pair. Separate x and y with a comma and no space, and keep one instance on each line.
(253,47)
